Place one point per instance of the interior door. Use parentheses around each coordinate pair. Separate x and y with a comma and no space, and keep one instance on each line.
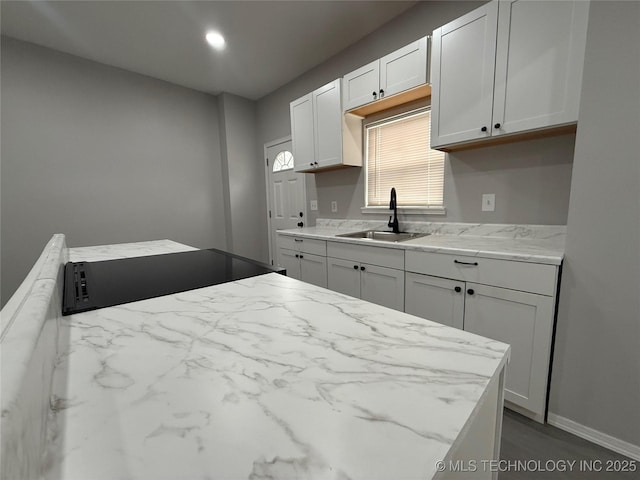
(286,192)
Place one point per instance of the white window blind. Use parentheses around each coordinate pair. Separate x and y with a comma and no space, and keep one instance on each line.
(399,155)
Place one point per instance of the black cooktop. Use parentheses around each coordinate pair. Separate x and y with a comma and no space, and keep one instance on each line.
(93,285)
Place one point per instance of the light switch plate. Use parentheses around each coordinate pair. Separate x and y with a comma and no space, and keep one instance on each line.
(489,202)
(314,205)
(334,206)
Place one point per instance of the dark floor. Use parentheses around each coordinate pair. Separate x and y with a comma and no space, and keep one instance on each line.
(526,440)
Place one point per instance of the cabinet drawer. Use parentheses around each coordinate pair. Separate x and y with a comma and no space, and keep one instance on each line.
(383,257)
(305,245)
(527,277)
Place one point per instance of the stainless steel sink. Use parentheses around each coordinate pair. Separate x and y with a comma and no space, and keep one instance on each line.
(384,236)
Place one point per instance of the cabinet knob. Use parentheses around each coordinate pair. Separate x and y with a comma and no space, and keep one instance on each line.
(311,164)
(375,95)
(315,163)
(301,214)
(483,129)
(300,224)
(497,125)
(355,267)
(362,268)
(301,256)
(458,289)
(297,256)
(471,291)
(381,93)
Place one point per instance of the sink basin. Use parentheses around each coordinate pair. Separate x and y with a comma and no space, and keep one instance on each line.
(384,236)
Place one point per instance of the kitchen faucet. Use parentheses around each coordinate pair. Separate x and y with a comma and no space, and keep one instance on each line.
(393,206)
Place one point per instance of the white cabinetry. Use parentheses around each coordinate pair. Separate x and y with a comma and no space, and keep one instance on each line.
(507,67)
(304,259)
(394,73)
(317,126)
(514,303)
(367,273)
(434,298)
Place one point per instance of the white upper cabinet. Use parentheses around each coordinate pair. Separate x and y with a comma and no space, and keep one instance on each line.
(462,66)
(508,67)
(539,61)
(394,73)
(302,131)
(322,136)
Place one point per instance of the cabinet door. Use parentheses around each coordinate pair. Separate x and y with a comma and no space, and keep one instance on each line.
(404,69)
(462,68)
(361,86)
(381,285)
(539,60)
(524,321)
(435,299)
(327,119)
(289,259)
(313,269)
(301,111)
(343,276)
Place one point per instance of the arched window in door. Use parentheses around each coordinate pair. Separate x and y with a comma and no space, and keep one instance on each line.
(283,161)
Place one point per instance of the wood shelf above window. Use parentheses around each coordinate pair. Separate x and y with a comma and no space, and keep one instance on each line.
(417,93)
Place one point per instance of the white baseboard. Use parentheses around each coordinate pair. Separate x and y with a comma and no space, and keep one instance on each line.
(599,438)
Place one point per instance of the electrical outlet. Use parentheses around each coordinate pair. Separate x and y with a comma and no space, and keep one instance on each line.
(334,206)
(489,202)
(314,205)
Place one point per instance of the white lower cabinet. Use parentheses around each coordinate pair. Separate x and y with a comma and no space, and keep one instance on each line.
(304,266)
(524,321)
(433,298)
(375,284)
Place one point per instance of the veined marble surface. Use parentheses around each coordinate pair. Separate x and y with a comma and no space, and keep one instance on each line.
(263,378)
(523,243)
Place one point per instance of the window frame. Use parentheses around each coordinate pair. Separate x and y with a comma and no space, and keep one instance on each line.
(387,116)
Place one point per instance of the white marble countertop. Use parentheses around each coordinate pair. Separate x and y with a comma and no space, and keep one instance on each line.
(522,249)
(262,378)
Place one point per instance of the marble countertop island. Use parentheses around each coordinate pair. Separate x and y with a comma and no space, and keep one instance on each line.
(261,378)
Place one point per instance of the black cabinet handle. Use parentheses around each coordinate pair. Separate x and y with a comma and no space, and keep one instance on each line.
(375,95)
(497,125)
(297,239)
(300,224)
(362,268)
(297,256)
(315,163)
(458,289)
(355,267)
(311,164)
(474,264)
(483,129)
(301,256)
(381,93)
(471,291)
(301,215)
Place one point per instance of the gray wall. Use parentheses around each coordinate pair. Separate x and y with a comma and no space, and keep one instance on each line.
(102,155)
(596,372)
(244,169)
(531,179)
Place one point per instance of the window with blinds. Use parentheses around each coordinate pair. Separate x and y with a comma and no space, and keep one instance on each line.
(399,155)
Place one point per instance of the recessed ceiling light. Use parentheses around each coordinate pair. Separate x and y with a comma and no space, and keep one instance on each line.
(215,40)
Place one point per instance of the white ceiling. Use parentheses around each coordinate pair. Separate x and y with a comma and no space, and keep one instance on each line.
(269,43)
